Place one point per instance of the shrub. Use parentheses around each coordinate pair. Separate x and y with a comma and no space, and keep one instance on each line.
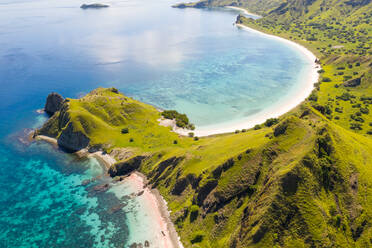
(347,77)
(256,127)
(369,132)
(326,79)
(131,140)
(341,68)
(338,110)
(194,211)
(196,138)
(244,130)
(197,238)
(191,126)
(237,131)
(181,119)
(271,121)
(124,130)
(114,90)
(364,110)
(345,96)
(175,142)
(321,71)
(191,134)
(313,97)
(356,126)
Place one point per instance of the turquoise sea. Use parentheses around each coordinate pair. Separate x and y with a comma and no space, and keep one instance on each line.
(192,60)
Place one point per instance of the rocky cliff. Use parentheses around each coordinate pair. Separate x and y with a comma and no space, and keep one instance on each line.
(53,103)
(61,127)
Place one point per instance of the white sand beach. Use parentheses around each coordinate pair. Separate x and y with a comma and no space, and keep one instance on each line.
(244,11)
(151,201)
(293,100)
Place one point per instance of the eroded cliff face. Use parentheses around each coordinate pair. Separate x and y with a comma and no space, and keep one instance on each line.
(61,127)
(300,187)
(53,103)
(72,141)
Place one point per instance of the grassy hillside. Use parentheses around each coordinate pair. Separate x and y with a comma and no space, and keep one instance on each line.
(256,6)
(339,33)
(304,181)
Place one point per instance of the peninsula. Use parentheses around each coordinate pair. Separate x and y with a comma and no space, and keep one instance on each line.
(243,187)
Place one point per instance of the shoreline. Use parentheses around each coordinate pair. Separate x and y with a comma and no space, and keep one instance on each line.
(170,237)
(294,99)
(246,12)
(167,235)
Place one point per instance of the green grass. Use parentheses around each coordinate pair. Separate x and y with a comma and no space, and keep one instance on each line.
(303,182)
(250,196)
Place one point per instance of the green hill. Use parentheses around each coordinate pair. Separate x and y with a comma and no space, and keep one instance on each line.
(304,180)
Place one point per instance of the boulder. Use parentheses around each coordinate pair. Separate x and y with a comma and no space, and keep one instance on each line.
(72,141)
(53,103)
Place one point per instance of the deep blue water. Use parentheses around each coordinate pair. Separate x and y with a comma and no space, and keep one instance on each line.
(191,60)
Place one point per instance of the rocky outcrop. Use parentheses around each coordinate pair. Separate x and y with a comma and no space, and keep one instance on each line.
(182,183)
(126,167)
(170,162)
(72,141)
(204,191)
(224,167)
(53,103)
(353,82)
(94,6)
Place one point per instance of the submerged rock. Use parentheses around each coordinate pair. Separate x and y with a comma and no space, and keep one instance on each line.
(53,103)
(94,6)
(101,188)
(117,208)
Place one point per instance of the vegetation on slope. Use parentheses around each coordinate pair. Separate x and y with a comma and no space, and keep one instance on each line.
(339,33)
(302,181)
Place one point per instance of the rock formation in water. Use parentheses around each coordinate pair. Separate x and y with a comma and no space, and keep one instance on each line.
(94,6)
(53,103)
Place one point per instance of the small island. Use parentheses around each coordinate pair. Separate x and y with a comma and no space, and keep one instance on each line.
(94,6)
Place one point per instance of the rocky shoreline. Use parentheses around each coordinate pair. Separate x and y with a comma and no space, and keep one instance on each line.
(170,236)
(77,144)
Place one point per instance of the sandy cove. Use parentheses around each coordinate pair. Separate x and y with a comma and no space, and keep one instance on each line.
(244,11)
(272,112)
(169,237)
